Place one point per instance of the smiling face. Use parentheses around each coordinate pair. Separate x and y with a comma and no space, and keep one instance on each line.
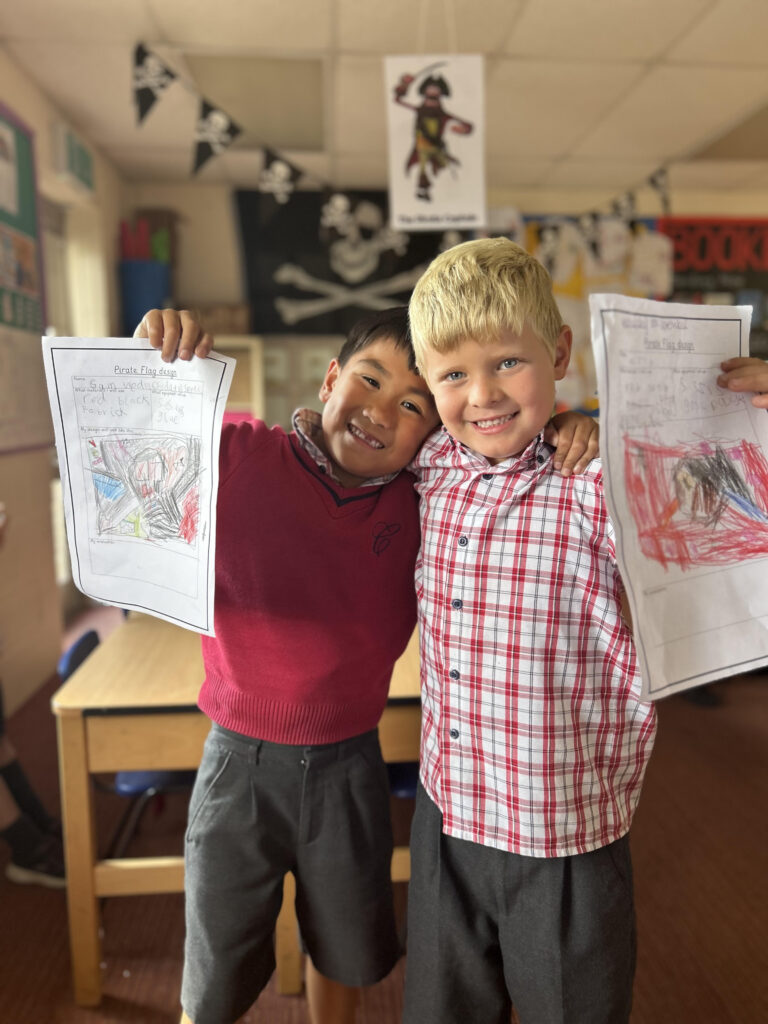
(495,396)
(377,412)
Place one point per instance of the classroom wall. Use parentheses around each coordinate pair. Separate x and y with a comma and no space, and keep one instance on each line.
(209,269)
(30,613)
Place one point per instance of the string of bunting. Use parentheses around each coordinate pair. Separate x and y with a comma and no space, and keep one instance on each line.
(214,129)
(624,207)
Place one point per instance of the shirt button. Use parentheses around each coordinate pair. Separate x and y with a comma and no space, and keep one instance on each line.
(487,476)
(454,734)
(456,603)
(454,673)
(463,542)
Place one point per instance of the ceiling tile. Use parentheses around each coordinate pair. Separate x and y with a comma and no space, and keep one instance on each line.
(611,29)
(613,174)
(675,110)
(717,174)
(502,172)
(403,26)
(109,21)
(542,108)
(358,106)
(92,86)
(293,115)
(245,26)
(734,32)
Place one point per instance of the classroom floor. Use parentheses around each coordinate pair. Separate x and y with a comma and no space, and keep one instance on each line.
(700,849)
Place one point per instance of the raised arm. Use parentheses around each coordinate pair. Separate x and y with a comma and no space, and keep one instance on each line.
(176,333)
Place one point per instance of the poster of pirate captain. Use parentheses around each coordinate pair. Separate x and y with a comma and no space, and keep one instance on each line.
(436,142)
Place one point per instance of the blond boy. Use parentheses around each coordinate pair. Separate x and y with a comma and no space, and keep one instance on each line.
(534,738)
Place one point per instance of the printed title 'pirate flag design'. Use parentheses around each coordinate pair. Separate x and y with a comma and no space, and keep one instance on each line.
(214,131)
(279,176)
(150,78)
(317,264)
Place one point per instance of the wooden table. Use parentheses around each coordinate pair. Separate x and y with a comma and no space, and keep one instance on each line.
(132,706)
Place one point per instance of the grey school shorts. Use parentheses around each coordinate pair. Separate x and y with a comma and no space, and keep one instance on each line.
(257,811)
(554,936)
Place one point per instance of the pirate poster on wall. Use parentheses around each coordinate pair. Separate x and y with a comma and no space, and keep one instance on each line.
(317,264)
(436,122)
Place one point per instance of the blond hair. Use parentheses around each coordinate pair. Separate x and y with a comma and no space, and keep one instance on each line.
(477,289)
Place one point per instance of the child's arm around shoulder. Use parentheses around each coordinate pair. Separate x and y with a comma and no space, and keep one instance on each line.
(175,332)
(576,438)
(746,374)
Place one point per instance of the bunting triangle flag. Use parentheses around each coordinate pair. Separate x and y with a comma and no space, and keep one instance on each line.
(278,176)
(150,78)
(214,132)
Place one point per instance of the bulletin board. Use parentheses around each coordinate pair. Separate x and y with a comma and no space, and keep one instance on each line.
(25,420)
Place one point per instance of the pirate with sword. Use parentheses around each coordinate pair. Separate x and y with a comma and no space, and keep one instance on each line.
(429,148)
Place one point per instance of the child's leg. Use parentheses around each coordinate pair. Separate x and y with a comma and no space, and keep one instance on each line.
(569,936)
(329,1002)
(239,844)
(344,901)
(453,970)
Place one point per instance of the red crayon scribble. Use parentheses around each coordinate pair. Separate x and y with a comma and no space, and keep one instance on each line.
(698,504)
(190,516)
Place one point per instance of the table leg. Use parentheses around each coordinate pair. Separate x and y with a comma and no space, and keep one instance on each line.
(80,854)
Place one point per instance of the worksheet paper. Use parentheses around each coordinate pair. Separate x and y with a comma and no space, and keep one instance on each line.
(686,470)
(138,447)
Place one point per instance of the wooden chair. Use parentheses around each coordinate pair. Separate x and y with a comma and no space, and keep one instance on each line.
(140,788)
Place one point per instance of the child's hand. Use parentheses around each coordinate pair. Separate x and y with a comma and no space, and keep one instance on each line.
(3,522)
(576,438)
(742,374)
(175,332)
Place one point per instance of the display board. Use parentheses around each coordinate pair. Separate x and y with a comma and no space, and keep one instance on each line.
(25,420)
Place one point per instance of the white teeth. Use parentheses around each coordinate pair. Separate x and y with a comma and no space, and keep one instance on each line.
(493,423)
(365,437)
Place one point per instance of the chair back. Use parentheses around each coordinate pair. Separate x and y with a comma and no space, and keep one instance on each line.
(76,653)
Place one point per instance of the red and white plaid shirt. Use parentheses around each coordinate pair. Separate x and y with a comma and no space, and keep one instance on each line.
(534,739)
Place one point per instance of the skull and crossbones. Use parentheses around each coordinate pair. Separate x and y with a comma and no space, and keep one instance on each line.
(278,180)
(215,129)
(152,74)
(332,296)
(353,256)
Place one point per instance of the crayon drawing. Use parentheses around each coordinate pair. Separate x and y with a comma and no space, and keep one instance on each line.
(701,503)
(146,487)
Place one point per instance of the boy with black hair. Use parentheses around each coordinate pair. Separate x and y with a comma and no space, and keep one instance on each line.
(317,536)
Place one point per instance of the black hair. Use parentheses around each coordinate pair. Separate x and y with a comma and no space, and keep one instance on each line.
(437,80)
(391,324)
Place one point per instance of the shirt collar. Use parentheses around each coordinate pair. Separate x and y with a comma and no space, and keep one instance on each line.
(535,455)
(308,427)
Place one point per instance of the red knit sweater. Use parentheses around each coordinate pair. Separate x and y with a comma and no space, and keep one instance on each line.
(314,592)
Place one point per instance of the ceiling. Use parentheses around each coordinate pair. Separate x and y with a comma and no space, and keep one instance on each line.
(592,94)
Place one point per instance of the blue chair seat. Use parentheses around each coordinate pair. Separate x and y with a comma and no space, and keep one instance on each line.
(403,778)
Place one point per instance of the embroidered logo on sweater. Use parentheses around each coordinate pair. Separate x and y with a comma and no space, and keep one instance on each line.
(381,535)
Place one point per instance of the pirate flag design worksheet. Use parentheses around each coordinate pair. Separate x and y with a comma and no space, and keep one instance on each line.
(686,467)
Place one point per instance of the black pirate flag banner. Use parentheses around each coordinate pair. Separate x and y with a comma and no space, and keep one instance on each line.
(150,78)
(214,132)
(279,176)
(317,264)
